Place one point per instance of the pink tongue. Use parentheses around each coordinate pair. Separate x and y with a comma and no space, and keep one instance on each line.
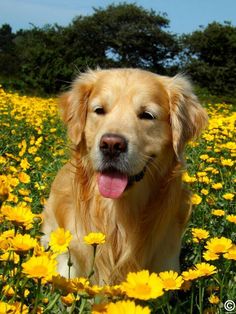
(112,185)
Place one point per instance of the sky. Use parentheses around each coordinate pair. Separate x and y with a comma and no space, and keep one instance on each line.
(185,15)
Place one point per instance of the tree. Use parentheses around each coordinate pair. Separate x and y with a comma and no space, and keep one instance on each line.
(125,35)
(211,57)
(8,59)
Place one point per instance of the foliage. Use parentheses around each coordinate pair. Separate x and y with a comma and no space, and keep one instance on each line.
(33,147)
(211,57)
(118,36)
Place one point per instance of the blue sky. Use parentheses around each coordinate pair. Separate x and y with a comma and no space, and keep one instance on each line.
(185,15)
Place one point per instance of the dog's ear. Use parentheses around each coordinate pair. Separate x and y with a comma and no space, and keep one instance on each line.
(187,117)
(73,107)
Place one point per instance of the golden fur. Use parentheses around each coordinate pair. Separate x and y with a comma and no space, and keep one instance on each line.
(144,226)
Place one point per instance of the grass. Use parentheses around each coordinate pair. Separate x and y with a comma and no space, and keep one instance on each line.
(32,149)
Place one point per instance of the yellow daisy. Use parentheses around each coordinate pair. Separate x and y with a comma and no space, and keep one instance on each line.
(228,196)
(196,199)
(205,269)
(218,245)
(210,256)
(6,308)
(68,299)
(231,218)
(60,240)
(95,238)
(190,274)
(200,234)
(19,215)
(231,254)
(218,212)
(24,177)
(171,280)
(22,243)
(40,267)
(143,286)
(126,307)
(214,299)
(10,256)
(217,186)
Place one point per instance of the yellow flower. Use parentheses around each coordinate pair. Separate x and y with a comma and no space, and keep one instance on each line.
(4,191)
(24,164)
(204,191)
(217,186)
(10,256)
(100,308)
(23,177)
(68,299)
(94,238)
(196,199)
(171,280)
(143,286)
(228,196)
(79,284)
(40,267)
(37,159)
(93,290)
(231,254)
(188,179)
(205,269)
(126,307)
(19,215)
(213,299)
(8,291)
(218,212)
(218,245)
(60,240)
(3,160)
(231,218)
(63,284)
(22,243)
(204,157)
(191,274)
(199,234)
(210,256)
(227,162)
(6,308)
(24,192)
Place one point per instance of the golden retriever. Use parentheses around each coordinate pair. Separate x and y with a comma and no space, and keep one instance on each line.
(129,128)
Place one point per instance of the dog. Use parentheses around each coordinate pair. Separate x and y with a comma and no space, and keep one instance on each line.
(128,128)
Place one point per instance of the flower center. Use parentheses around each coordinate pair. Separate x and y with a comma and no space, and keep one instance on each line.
(61,240)
(39,271)
(219,248)
(143,289)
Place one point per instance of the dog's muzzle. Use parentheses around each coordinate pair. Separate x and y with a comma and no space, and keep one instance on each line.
(113,178)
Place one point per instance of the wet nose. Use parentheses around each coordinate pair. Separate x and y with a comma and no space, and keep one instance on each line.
(112,145)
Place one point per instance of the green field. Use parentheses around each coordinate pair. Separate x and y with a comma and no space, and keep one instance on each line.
(33,147)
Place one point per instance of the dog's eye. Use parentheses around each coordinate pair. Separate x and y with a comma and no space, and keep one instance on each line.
(99,110)
(146,115)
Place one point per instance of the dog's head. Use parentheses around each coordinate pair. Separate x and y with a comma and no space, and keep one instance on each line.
(129,118)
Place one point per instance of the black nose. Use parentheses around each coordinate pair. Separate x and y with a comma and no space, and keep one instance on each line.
(112,145)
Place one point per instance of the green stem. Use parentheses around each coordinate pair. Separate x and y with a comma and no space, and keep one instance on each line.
(191,305)
(93,262)
(51,305)
(37,297)
(201,292)
(82,305)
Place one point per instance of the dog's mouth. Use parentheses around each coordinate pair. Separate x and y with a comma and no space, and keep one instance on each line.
(112,183)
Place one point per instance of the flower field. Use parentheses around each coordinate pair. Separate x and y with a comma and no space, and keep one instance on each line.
(33,147)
